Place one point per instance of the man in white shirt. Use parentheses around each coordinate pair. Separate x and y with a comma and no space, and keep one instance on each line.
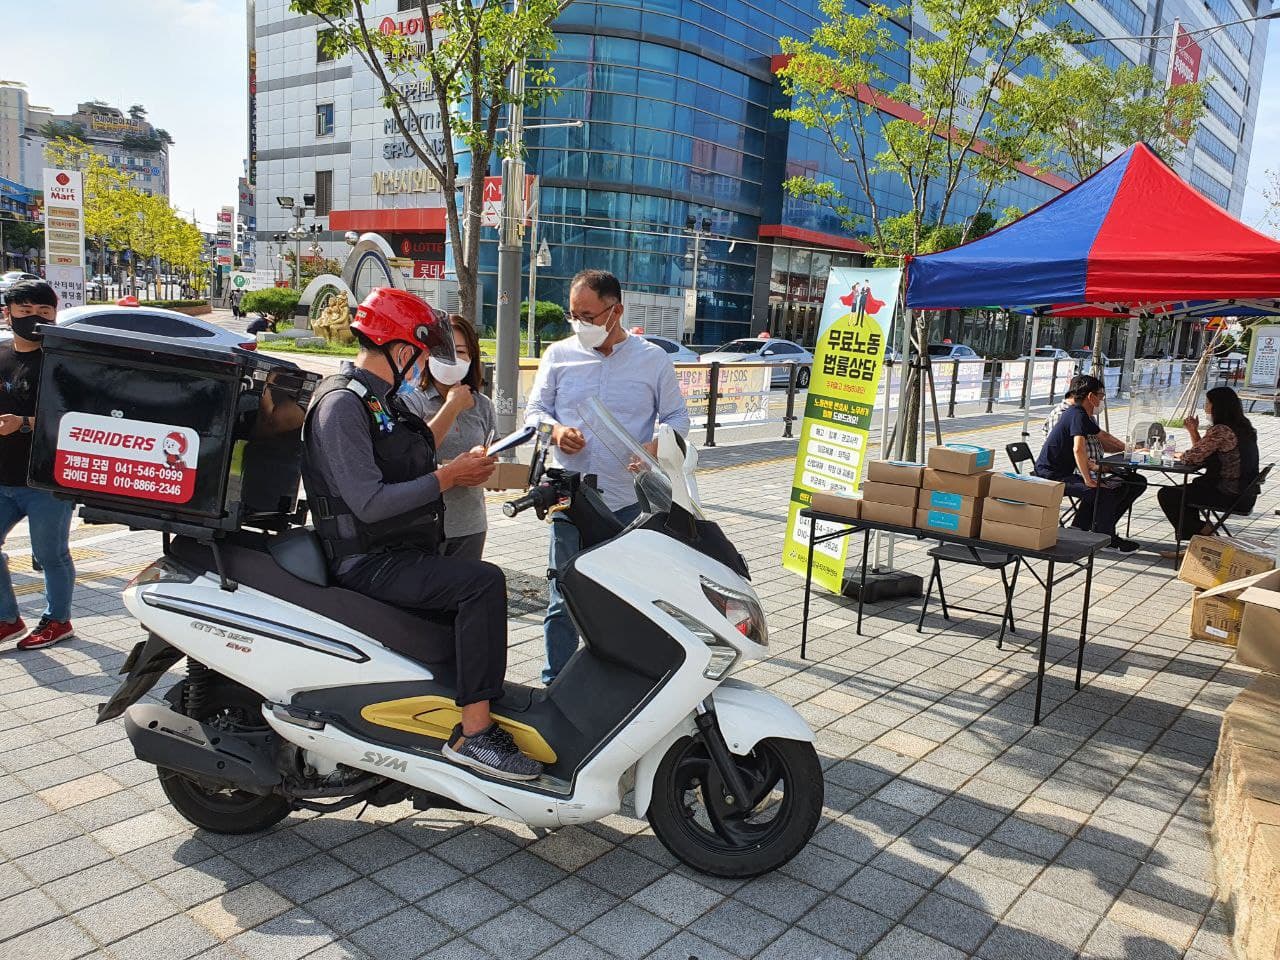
(636,383)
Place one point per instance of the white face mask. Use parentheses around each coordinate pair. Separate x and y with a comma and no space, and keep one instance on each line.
(590,335)
(448,373)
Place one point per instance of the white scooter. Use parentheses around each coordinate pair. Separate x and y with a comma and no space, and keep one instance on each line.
(303,695)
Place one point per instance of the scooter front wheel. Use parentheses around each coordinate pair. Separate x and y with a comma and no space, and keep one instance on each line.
(691,815)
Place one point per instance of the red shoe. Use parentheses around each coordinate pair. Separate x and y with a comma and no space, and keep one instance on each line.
(46,634)
(11,629)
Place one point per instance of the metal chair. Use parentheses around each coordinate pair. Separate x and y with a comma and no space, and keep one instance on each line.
(1020,453)
(974,557)
(1216,517)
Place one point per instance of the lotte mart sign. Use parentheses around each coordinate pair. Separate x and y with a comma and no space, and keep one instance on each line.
(64,235)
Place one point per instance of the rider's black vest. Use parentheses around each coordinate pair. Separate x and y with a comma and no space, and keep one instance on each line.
(403,449)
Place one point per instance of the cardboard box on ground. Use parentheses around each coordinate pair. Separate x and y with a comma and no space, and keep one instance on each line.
(1212,561)
(1244,613)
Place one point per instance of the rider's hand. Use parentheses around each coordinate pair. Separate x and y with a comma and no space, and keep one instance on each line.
(568,439)
(460,397)
(471,469)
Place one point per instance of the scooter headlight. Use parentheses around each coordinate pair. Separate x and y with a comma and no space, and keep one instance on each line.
(723,655)
(740,609)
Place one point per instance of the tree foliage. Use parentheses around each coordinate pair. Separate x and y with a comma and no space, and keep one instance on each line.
(964,135)
(466,50)
(276,304)
(1090,112)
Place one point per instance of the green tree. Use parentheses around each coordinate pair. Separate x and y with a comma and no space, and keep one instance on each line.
(466,50)
(276,304)
(1090,112)
(963,135)
(547,316)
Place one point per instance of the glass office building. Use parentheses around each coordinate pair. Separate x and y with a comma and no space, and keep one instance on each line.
(678,138)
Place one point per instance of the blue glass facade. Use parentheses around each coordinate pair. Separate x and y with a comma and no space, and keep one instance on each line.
(677,99)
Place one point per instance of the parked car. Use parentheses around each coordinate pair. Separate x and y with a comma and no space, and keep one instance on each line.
(766,350)
(155,321)
(678,352)
(1085,357)
(951,351)
(1049,353)
(13,276)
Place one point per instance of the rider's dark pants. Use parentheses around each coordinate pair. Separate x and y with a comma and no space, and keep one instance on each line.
(476,590)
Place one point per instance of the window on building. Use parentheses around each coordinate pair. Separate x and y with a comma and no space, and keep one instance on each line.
(324,192)
(1210,186)
(324,119)
(323,55)
(403,5)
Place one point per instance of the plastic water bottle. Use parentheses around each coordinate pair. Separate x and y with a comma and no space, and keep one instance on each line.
(1170,448)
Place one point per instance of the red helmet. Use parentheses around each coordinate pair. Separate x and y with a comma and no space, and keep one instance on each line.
(397,316)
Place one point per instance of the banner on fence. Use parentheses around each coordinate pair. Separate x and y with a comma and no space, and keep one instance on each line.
(848,359)
(1264,357)
(742,393)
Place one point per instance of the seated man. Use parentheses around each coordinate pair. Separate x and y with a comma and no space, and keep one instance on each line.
(369,467)
(1071,453)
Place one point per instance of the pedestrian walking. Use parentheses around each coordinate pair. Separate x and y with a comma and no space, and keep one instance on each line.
(234,300)
(30,302)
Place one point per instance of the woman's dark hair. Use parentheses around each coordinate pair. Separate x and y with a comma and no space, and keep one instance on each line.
(475,376)
(1083,385)
(1229,412)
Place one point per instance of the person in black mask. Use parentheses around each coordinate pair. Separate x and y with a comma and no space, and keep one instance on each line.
(30,302)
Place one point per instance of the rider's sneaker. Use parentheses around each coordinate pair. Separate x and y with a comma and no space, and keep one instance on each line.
(47,632)
(492,751)
(11,629)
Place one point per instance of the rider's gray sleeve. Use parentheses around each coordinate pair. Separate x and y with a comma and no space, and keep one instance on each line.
(338,436)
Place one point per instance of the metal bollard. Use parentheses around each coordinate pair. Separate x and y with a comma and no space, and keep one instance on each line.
(713,387)
(951,401)
(791,400)
(994,386)
(1053,383)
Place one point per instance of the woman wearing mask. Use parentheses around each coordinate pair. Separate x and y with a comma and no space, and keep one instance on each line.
(1229,453)
(455,387)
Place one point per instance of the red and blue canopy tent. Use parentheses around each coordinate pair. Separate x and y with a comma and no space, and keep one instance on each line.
(1132,240)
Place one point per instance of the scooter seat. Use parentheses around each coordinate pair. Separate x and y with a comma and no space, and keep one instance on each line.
(407,632)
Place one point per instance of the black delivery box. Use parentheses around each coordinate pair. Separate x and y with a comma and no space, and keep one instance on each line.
(167,432)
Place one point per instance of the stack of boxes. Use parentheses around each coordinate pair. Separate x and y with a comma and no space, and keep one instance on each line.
(1022,510)
(952,489)
(892,491)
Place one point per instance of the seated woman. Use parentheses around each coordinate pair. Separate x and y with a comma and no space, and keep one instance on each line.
(1229,453)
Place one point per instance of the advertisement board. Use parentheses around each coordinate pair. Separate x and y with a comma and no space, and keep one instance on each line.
(64,235)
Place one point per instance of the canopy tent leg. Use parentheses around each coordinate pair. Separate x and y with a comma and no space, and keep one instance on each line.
(1031,365)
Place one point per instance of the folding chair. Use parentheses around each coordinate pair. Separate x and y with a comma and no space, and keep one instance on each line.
(1020,453)
(974,557)
(1243,505)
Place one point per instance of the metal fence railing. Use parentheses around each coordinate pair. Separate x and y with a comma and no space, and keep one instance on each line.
(732,396)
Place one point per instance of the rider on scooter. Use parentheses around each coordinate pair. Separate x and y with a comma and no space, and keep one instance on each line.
(369,468)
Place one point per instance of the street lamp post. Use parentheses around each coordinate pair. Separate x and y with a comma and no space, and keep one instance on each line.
(537,258)
(297,231)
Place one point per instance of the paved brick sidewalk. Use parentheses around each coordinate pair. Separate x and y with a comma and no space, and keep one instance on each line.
(952,827)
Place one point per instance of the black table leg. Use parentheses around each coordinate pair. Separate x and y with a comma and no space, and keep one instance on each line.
(862,584)
(808,587)
(1084,618)
(1177,530)
(1044,640)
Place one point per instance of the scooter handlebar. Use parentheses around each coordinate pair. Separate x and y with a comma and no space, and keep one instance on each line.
(520,504)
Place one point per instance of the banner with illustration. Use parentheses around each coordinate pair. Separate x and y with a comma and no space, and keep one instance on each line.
(848,359)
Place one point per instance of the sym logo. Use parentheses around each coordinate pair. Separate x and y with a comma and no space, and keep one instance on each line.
(385,761)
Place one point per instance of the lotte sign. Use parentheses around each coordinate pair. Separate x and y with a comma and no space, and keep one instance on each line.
(64,235)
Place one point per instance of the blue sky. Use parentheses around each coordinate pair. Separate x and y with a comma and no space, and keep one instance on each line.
(185,61)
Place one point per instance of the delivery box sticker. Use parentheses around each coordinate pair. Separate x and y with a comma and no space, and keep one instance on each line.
(128,458)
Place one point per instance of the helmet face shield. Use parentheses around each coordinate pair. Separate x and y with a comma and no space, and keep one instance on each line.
(437,337)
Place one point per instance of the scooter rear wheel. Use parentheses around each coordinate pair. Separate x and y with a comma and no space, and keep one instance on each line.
(225,810)
(691,817)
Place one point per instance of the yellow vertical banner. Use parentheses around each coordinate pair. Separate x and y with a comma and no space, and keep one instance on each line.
(847,364)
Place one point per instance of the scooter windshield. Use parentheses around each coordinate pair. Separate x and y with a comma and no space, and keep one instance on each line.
(653,484)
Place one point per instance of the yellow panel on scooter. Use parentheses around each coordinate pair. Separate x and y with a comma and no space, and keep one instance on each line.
(436,717)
